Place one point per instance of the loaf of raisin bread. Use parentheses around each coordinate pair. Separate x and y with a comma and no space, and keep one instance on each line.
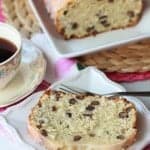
(63,121)
(80,18)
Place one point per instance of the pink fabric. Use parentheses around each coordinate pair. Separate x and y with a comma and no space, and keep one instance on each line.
(147,147)
(128,77)
(2,18)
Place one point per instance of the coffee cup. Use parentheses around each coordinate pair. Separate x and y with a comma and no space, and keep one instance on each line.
(10,53)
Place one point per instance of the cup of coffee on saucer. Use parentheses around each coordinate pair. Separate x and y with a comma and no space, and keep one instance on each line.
(10,53)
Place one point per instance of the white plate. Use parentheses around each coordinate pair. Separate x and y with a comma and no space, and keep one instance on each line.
(76,47)
(90,79)
(30,75)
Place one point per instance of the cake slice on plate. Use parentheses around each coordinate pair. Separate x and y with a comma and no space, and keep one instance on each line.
(63,121)
(80,18)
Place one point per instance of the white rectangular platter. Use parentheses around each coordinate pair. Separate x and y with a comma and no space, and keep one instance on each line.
(77,47)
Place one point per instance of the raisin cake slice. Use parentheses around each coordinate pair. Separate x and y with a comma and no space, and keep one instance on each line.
(80,18)
(63,121)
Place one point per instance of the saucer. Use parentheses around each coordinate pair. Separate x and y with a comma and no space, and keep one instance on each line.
(30,75)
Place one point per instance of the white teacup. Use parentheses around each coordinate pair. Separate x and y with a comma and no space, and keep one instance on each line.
(10,66)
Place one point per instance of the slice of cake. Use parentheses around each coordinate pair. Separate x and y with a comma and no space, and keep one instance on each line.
(63,121)
(80,18)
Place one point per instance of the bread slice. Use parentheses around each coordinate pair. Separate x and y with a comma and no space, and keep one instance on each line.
(63,121)
(80,18)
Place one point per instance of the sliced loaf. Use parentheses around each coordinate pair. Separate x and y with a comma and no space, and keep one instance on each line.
(80,18)
(63,121)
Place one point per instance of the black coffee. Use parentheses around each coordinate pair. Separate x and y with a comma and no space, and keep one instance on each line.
(7,49)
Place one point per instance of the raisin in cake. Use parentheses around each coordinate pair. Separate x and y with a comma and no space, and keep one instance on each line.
(83,122)
(80,18)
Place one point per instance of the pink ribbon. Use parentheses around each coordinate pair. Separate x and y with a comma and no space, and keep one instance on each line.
(63,66)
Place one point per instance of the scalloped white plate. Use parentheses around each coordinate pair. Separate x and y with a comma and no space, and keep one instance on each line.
(77,47)
(30,75)
(94,81)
